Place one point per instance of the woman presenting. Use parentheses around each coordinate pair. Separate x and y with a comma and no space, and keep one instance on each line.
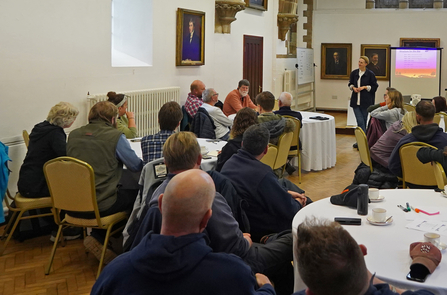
(363,84)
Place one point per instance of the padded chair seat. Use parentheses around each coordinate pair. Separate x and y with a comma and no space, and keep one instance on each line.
(23,203)
(106,220)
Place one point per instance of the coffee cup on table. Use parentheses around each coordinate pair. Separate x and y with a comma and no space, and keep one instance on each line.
(379,214)
(373,193)
(433,238)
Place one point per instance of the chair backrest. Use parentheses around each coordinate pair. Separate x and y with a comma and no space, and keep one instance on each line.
(283,149)
(270,158)
(25,137)
(439,175)
(413,171)
(409,108)
(437,118)
(72,185)
(363,146)
(296,132)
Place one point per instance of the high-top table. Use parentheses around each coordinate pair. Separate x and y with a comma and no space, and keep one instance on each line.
(388,246)
(318,142)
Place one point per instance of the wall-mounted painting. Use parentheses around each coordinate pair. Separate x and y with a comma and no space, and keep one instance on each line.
(420,42)
(336,60)
(379,56)
(256,4)
(190,38)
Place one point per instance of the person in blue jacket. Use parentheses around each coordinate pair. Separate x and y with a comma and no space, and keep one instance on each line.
(178,260)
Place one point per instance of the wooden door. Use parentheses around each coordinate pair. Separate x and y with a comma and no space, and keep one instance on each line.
(253,63)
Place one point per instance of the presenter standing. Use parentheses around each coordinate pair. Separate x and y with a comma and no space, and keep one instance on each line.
(363,84)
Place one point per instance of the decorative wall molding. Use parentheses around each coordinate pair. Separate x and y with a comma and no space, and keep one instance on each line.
(285,20)
(225,14)
(370,4)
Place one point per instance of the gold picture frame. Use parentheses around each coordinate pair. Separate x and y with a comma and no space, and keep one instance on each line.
(379,58)
(336,60)
(420,42)
(190,43)
(257,4)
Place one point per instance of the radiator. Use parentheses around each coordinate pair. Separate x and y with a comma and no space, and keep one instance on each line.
(290,82)
(145,104)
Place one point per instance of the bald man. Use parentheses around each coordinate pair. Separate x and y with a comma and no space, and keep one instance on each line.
(194,100)
(178,260)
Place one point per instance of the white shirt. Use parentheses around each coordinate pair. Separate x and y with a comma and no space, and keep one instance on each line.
(222,122)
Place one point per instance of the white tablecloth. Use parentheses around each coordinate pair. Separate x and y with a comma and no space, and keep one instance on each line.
(318,140)
(207,164)
(388,246)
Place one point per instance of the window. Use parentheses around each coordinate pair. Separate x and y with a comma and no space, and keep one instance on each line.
(132,33)
(387,4)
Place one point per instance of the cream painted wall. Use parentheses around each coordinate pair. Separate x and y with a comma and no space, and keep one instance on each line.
(365,26)
(58,50)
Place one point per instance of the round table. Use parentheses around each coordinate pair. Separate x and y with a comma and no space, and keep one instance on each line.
(388,246)
(318,142)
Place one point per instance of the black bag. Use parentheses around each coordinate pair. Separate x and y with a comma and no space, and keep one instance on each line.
(348,197)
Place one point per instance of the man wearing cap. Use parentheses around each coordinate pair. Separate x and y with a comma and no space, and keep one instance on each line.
(331,262)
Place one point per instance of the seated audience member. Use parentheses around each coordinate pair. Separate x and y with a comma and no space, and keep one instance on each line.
(238,99)
(284,103)
(426,131)
(46,141)
(271,207)
(222,122)
(382,149)
(178,260)
(194,99)
(381,104)
(244,119)
(126,120)
(169,118)
(331,262)
(276,124)
(393,110)
(440,104)
(181,153)
(106,149)
(428,154)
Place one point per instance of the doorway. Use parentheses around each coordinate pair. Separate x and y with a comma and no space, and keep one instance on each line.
(253,64)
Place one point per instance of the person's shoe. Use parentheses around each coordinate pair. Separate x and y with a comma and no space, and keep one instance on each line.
(290,169)
(355,145)
(95,247)
(70,233)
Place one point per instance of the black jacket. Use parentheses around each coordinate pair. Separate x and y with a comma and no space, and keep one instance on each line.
(203,125)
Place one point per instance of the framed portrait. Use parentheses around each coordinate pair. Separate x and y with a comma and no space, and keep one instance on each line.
(190,45)
(336,60)
(420,42)
(256,4)
(379,57)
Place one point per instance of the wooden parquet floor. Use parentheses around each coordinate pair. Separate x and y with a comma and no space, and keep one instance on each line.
(22,265)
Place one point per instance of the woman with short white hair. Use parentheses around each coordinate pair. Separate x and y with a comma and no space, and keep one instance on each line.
(46,141)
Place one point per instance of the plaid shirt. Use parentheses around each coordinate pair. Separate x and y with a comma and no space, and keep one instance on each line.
(152,145)
(192,104)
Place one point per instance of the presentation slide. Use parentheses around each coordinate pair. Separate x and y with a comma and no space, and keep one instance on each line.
(416,71)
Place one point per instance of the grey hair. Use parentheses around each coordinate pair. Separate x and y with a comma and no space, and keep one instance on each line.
(255,139)
(62,114)
(208,94)
(286,98)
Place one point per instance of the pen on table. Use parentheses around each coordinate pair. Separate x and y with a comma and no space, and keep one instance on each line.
(408,207)
(425,212)
(403,208)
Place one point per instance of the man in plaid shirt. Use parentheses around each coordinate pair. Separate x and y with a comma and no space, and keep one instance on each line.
(169,118)
(194,100)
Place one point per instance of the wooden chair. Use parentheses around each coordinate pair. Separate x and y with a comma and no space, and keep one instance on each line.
(270,157)
(25,137)
(439,175)
(295,144)
(72,188)
(409,108)
(22,205)
(413,171)
(283,150)
(362,143)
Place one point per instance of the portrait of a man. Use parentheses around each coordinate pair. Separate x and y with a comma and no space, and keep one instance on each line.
(336,61)
(377,59)
(191,38)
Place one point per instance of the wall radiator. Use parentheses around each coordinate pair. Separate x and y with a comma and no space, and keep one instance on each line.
(145,104)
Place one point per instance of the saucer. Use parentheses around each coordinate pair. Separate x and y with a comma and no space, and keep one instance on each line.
(370,220)
(379,199)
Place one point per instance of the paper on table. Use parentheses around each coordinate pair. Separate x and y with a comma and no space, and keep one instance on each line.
(442,216)
(424,225)
(213,153)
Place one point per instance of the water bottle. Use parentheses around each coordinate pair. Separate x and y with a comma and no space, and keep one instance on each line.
(362,200)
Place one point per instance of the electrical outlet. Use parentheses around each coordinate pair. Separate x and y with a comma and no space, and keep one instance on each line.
(334,96)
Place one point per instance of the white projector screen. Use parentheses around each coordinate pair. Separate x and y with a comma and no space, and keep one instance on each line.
(416,71)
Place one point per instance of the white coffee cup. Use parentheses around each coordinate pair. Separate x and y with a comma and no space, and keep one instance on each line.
(433,238)
(203,150)
(373,193)
(379,214)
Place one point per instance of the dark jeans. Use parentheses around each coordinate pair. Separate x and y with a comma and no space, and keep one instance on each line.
(274,260)
(361,115)
(124,202)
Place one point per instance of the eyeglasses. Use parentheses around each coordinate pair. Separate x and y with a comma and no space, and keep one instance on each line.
(215,94)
